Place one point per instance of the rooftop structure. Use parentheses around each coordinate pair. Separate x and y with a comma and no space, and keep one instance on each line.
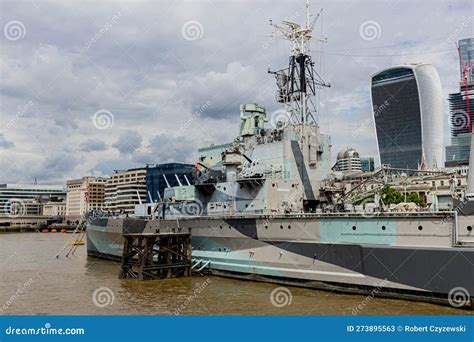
(348,160)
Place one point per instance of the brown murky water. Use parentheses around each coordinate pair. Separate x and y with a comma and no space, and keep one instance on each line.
(34,282)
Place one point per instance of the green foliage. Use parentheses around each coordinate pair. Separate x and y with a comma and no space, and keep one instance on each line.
(415,198)
(391,196)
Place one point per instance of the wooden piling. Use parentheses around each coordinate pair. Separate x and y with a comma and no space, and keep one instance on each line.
(157,255)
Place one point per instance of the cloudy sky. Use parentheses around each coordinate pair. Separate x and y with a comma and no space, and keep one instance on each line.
(89,87)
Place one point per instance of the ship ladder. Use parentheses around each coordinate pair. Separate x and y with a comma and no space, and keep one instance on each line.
(196,263)
(75,240)
(199,262)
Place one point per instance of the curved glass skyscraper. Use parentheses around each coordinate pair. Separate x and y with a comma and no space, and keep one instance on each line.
(407,105)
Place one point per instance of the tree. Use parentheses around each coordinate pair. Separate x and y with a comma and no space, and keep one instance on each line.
(391,196)
(415,198)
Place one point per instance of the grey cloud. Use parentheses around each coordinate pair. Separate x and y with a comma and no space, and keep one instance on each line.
(165,148)
(142,70)
(128,142)
(91,145)
(4,143)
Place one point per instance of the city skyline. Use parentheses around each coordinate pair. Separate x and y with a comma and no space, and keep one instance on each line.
(162,88)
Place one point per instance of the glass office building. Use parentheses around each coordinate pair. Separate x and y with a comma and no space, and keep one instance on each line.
(367,164)
(159,177)
(461,109)
(466,52)
(407,105)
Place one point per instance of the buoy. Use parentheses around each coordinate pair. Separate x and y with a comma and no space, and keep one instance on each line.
(63,230)
(45,231)
(54,231)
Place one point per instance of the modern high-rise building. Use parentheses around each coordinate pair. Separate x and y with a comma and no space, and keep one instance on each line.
(466,63)
(125,189)
(84,194)
(407,105)
(461,108)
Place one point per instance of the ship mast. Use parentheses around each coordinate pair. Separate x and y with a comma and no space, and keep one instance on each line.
(297,84)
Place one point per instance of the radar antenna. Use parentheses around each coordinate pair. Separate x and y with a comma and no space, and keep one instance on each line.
(298,84)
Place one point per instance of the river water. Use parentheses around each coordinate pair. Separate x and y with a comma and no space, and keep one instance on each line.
(34,282)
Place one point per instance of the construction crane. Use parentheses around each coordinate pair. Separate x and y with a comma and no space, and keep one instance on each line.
(465,69)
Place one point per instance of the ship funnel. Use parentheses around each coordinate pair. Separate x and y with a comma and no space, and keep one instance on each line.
(470,176)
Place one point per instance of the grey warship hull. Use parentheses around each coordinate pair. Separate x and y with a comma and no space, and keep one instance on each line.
(426,256)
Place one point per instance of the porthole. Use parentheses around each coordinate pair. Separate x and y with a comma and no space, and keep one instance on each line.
(266,227)
(273,184)
(289,227)
(469,228)
(383,227)
(225,188)
(354,228)
(246,206)
(420,228)
(281,227)
(220,227)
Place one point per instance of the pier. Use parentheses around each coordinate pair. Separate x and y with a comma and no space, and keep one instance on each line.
(163,254)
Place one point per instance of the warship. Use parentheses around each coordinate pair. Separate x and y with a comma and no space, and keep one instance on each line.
(267,207)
